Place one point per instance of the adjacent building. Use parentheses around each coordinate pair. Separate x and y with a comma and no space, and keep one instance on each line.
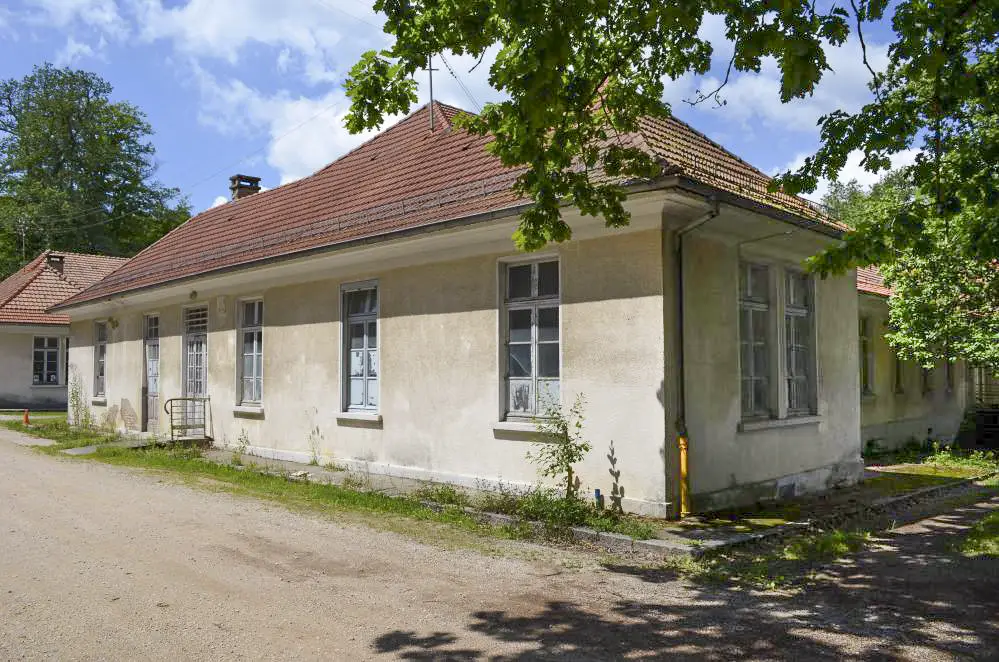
(34,342)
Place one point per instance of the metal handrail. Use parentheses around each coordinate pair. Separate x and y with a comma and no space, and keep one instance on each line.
(186,417)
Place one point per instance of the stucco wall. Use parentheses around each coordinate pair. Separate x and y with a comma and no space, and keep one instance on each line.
(890,417)
(16,388)
(729,466)
(440,390)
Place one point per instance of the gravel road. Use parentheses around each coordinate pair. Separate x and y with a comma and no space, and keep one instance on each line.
(99,562)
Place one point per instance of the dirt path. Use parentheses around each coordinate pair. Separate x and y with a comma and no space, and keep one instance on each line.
(98,562)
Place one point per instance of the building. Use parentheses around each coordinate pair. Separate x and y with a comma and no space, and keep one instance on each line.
(377,313)
(33,342)
(902,401)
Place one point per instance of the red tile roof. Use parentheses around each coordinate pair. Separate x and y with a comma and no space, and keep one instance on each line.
(870,280)
(406,177)
(27,294)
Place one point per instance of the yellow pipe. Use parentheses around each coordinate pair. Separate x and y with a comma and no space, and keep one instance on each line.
(681,442)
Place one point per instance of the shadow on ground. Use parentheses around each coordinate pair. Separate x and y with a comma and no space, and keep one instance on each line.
(910,596)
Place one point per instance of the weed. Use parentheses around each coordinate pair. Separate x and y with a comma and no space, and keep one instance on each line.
(333,466)
(503,500)
(242,443)
(315,445)
(444,494)
(65,435)
(357,482)
(562,444)
(983,539)
(82,416)
(824,547)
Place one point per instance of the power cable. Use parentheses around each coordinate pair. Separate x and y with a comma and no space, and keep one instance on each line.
(464,89)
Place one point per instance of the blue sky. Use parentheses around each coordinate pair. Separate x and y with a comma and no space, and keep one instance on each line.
(255,86)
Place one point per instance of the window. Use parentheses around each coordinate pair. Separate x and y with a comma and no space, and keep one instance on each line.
(754,327)
(927,381)
(798,325)
(866,357)
(768,297)
(45,364)
(252,365)
(899,375)
(100,357)
(532,337)
(360,305)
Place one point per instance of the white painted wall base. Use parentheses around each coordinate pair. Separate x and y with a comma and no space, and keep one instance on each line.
(636,506)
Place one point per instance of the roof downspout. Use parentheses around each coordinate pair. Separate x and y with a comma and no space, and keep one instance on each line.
(681,401)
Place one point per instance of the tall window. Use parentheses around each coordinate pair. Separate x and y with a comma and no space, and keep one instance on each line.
(532,337)
(252,365)
(100,357)
(360,305)
(866,357)
(798,325)
(45,364)
(899,375)
(754,328)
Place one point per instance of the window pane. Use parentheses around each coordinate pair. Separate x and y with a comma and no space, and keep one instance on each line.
(357,336)
(247,366)
(361,302)
(548,393)
(372,364)
(357,363)
(548,360)
(520,361)
(520,325)
(356,392)
(548,279)
(761,365)
(798,290)
(759,321)
(249,342)
(761,396)
(39,343)
(248,390)
(754,282)
(372,335)
(747,397)
(520,396)
(519,281)
(372,393)
(547,324)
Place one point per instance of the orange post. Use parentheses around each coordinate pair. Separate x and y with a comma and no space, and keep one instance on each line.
(681,442)
(27,421)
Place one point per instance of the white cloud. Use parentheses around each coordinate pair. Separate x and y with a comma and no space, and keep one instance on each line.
(322,34)
(754,98)
(219,200)
(102,15)
(74,51)
(852,170)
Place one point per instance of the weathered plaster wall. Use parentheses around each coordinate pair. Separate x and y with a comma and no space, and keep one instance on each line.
(440,390)
(891,417)
(729,466)
(16,388)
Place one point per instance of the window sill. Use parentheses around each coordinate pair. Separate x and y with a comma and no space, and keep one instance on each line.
(515,426)
(100,402)
(789,422)
(359,416)
(248,410)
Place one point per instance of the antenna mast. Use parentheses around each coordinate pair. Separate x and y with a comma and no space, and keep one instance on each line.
(430,71)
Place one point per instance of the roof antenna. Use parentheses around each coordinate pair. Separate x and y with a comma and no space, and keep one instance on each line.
(430,71)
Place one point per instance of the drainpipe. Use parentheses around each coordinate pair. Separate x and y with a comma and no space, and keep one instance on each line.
(681,403)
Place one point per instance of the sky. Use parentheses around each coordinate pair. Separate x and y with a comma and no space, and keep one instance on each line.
(256,86)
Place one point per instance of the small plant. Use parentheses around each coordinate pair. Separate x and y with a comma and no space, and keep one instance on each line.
(82,416)
(315,445)
(333,466)
(502,500)
(444,494)
(242,443)
(355,482)
(562,444)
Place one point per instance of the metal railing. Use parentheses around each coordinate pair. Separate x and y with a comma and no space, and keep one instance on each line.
(190,418)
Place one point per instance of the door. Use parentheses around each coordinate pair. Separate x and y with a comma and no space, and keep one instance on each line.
(195,368)
(151,376)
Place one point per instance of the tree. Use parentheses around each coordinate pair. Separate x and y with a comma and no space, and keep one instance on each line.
(579,72)
(945,300)
(76,170)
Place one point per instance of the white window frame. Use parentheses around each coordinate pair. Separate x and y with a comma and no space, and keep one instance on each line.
(779,311)
(346,320)
(750,305)
(46,350)
(533,303)
(101,359)
(258,355)
(866,354)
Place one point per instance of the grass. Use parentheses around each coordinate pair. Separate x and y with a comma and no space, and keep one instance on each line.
(983,539)
(56,429)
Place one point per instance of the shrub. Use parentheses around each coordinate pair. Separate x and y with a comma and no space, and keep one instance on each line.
(562,444)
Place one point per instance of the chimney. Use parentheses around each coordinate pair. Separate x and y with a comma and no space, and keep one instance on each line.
(56,261)
(243,185)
